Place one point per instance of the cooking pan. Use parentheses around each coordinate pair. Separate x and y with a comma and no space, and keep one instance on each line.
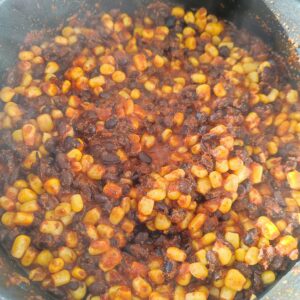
(276,22)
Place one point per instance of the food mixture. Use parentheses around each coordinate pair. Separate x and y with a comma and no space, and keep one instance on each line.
(150,156)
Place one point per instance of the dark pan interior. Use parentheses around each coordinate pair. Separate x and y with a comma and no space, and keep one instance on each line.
(18,17)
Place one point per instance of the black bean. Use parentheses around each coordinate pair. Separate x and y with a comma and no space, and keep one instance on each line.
(111,123)
(168,266)
(224,51)
(144,157)
(170,21)
(251,237)
(109,158)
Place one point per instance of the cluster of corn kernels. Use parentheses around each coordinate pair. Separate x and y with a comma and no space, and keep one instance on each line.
(146,84)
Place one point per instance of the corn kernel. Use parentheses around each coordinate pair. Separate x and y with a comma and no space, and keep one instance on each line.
(52,186)
(268,277)
(96,172)
(6,94)
(198,270)
(177,12)
(176,254)
(235,280)
(252,256)
(268,228)
(141,287)
(61,278)
(286,245)
(293,179)
(20,245)
(56,265)
(145,206)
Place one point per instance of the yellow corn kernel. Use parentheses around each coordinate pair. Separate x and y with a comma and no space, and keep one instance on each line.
(52,67)
(29,257)
(118,76)
(23,218)
(224,253)
(6,94)
(75,155)
(233,238)
(148,140)
(17,136)
(156,276)
(105,231)
(252,256)
(158,61)
(177,12)
(61,40)
(98,247)
(268,228)
(80,293)
(198,270)
(96,172)
(135,94)
(61,278)
(12,110)
(141,287)
(157,194)
(33,92)
(35,183)
(292,97)
(26,55)
(208,238)
(92,216)
(286,245)
(211,50)
(79,273)
(191,43)
(62,210)
(203,185)
(56,265)
(199,171)
(107,69)
(52,186)
(37,274)
(240,254)
(162,222)
(293,179)
(7,219)
(76,203)
(219,90)
(116,216)
(235,280)
(45,123)
(29,206)
(268,277)
(26,195)
(29,134)
(44,258)
(215,179)
(198,78)
(68,255)
(231,183)
(214,28)
(178,119)
(110,259)
(145,206)
(52,227)
(225,205)
(176,254)
(140,62)
(166,134)
(20,245)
